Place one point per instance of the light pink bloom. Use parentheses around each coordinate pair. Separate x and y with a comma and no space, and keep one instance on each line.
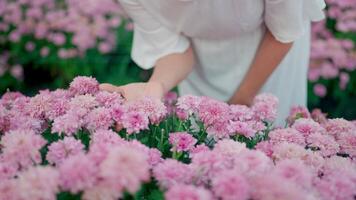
(307,126)
(77,173)
(296,171)
(288,151)
(266,147)
(271,187)
(84,85)
(99,118)
(22,147)
(297,112)
(181,141)
(230,185)
(125,168)
(347,142)
(101,191)
(108,99)
(135,121)
(153,108)
(61,150)
(336,186)
(184,192)
(252,162)
(81,105)
(172,172)
(287,135)
(325,143)
(68,124)
(265,107)
(38,183)
(229,147)
(335,127)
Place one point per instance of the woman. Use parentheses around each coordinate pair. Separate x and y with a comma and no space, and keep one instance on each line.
(226,49)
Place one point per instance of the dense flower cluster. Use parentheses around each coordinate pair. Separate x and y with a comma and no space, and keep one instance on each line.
(68,141)
(332,56)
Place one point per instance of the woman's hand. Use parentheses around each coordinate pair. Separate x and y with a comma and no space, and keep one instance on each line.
(135,91)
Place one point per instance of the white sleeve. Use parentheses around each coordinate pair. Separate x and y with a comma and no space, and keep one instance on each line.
(287,19)
(151,39)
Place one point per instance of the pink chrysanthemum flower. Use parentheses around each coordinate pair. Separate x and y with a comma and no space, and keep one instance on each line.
(8,189)
(243,128)
(337,163)
(325,143)
(106,137)
(219,130)
(211,111)
(266,147)
(20,121)
(288,151)
(229,147)
(198,149)
(252,162)
(265,107)
(117,111)
(286,135)
(296,171)
(298,112)
(135,121)
(125,168)
(68,124)
(188,104)
(38,183)
(7,170)
(99,118)
(4,119)
(101,143)
(22,147)
(9,98)
(319,117)
(241,113)
(101,192)
(154,157)
(314,160)
(59,104)
(107,99)
(77,173)
(337,186)
(81,105)
(347,142)
(154,108)
(84,85)
(39,104)
(181,141)
(61,150)
(209,164)
(271,187)
(335,127)
(172,172)
(307,127)
(230,185)
(184,192)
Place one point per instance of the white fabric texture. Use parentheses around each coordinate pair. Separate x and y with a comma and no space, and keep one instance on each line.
(225,35)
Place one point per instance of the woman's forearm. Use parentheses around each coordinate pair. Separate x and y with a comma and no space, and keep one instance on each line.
(269,55)
(170,70)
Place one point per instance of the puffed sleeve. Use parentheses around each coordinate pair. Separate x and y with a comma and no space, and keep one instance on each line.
(151,39)
(287,19)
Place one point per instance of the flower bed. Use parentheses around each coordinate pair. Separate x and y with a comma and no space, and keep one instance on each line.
(82,143)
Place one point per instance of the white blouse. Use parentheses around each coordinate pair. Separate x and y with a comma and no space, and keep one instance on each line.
(225,35)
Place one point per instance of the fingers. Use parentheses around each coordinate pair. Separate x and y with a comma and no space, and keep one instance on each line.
(112,88)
